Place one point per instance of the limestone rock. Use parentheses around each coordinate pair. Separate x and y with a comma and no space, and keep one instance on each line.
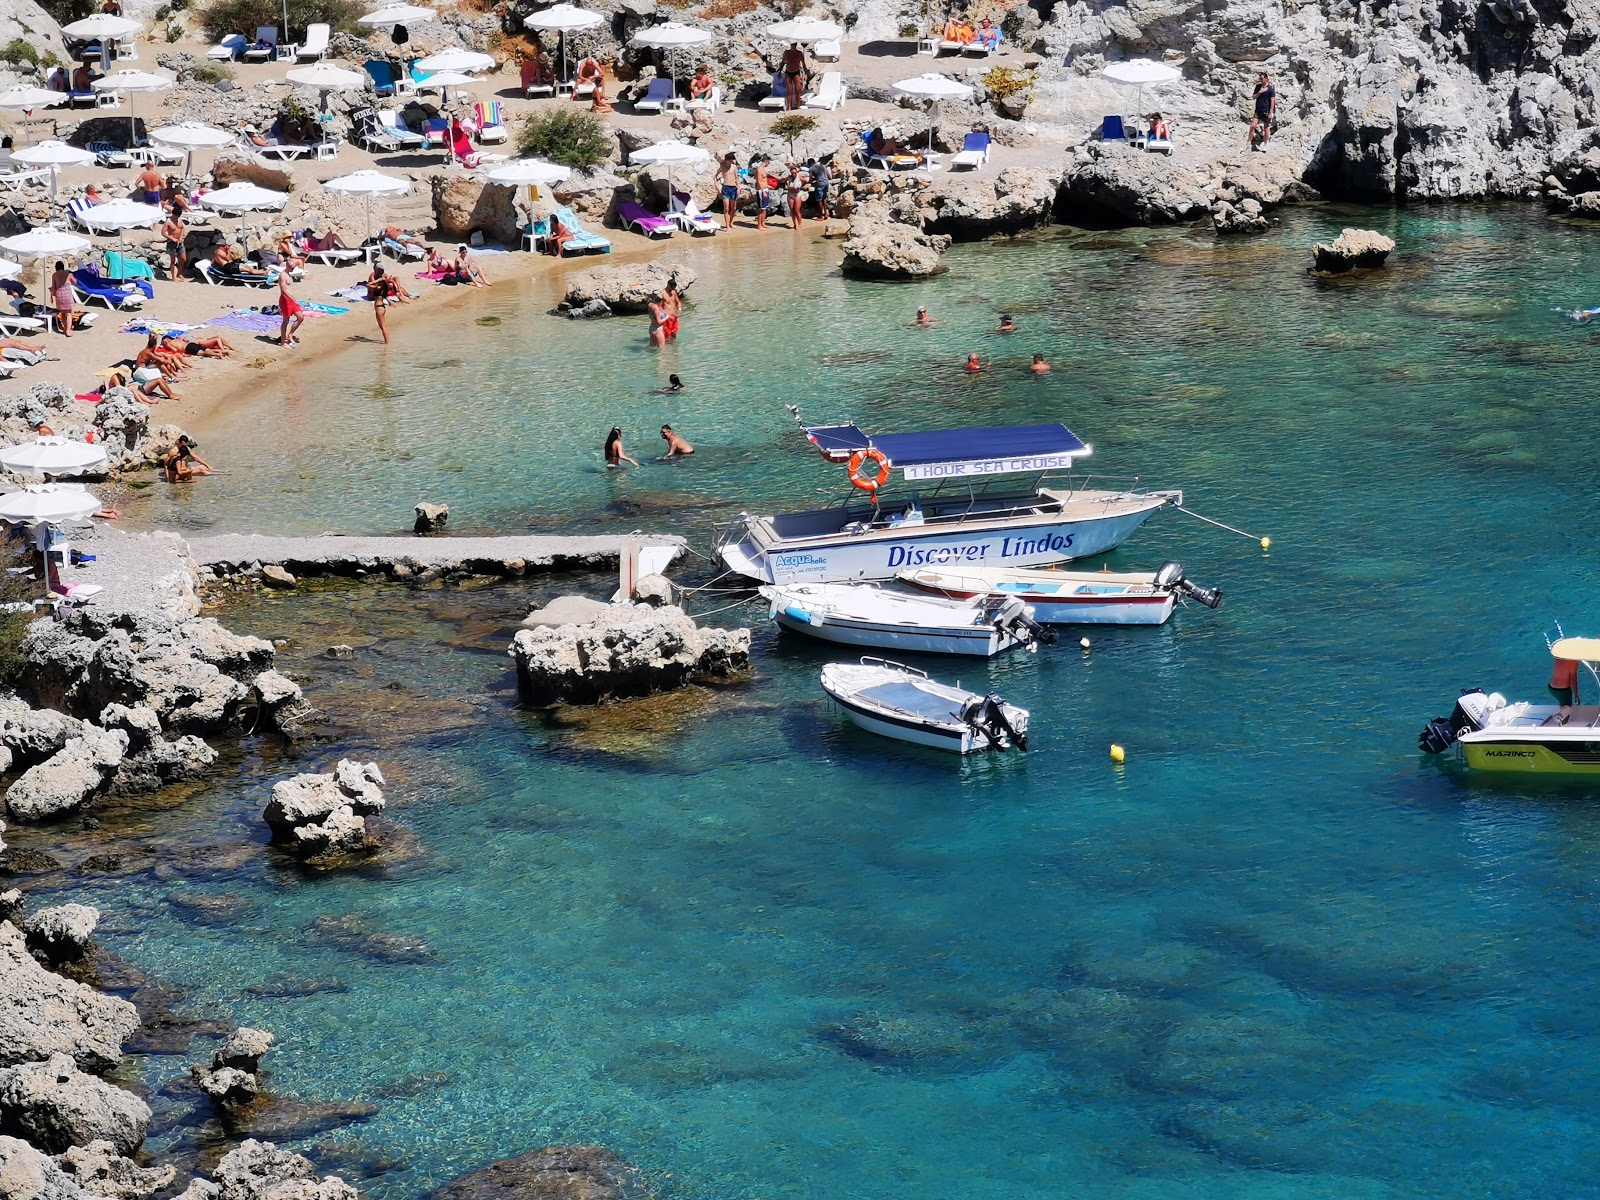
(321,816)
(228,1087)
(590,310)
(243,1049)
(464,205)
(592,195)
(1231,219)
(55,1106)
(99,1170)
(34,734)
(228,170)
(1130,186)
(274,576)
(969,207)
(654,590)
(60,933)
(285,704)
(628,287)
(1353,248)
(430,517)
(553,1173)
(28,1174)
(42,1014)
(567,610)
(152,761)
(630,650)
(258,1171)
(881,247)
(71,778)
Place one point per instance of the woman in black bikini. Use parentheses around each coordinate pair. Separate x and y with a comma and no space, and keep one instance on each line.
(615,454)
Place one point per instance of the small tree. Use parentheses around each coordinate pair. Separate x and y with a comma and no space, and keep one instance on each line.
(222,17)
(793,125)
(566,135)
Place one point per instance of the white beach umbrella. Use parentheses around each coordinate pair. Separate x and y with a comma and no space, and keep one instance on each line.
(53,456)
(456,58)
(445,80)
(101,25)
(244,197)
(669,154)
(806,30)
(191,136)
(563,18)
(131,82)
(529,172)
(368,184)
(121,215)
(41,244)
(54,155)
(933,86)
(674,35)
(398,14)
(29,98)
(9,269)
(48,503)
(326,77)
(1142,73)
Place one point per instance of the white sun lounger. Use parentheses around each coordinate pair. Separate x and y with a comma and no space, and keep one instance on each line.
(829,92)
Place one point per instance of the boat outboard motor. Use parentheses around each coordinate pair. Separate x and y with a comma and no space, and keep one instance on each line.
(988,716)
(1439,734)
(1012,614)
(1172,579)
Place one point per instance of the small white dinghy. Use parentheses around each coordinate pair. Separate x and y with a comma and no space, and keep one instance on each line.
(867,614)
(1072,597)
(901,702)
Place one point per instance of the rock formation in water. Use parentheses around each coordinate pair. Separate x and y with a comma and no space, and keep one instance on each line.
(43,1014)
(552,1173)
(1352,249)
(629,287)
(323,817)
(619,650)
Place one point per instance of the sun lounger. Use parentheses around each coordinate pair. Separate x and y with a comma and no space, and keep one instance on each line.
(404,251)
(109,154)
(637,217)
(83,96)
(334,256)
(829,92)
(888,162)
(974,151)
(582,240)
(316,43)
(826,51)
(408,140)
(1155,145)
(979,48)
(530,89)
(687,214)
(15,177)
(75,210)
(370,133)
(12,324)
(436,132)
(491,124)
(949,47)
(265,47)
(215,278)
(656,96)
(120,268)
(112,295)
(227,49)
(382,76)
(778,97)
(1113,130)
(418,80)
(710,103)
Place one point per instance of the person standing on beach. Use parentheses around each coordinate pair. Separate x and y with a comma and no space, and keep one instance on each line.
(728,180)
(758,170)
(176,233)
(821,184)
(293,317)
(795,190)
(380,289)
(1266,102)
(794,73)
(64,298)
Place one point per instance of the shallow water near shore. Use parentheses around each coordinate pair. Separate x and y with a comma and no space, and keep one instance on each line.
(758,953)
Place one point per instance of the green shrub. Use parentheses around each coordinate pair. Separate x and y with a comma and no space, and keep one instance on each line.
(792,125)
(566,135)
(211,72)
(222,17)
(18,51)
(14,625)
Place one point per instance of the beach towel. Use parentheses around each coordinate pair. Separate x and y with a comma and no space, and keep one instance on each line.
(145,325)
(250,320)
(326,310)
(357,293)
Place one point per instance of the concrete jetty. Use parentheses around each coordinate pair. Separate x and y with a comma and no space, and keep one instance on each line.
(234,554)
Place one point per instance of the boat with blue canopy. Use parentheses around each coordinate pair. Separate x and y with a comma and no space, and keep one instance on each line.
(960,503)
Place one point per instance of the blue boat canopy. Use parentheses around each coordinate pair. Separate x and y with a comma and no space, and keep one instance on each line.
(957,453)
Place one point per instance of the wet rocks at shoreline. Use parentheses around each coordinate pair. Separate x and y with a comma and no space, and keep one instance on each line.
(43,1014)
(322,817)
(621,650)
(627,287)
(551,1173)
(234,1077)
(56,1106)
(60,933)
(1353,249)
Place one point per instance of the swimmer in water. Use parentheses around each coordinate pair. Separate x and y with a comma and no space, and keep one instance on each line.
(1007,325)
(923,318)
(615,454)
(674,386)
(677,447)
(1039,367)
(973,366)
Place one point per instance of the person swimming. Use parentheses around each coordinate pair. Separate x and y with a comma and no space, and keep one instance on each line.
(923,318)
(1007,325)
(615,454)
(1039,365)
(674,386)
(973,366)
(677,447)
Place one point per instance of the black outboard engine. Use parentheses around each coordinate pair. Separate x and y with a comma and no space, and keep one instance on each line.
(1439,734)
(1171,578)
(1011,613)
(988,716)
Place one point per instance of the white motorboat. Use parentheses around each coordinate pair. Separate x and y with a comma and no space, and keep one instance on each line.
(970,516)
(1493,734)
(1061,597)
(866,614)
(901,702)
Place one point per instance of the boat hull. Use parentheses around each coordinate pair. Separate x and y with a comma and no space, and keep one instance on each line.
(907,731)
(1075,598)
(917,709)
(1523,756)
(980,642)
(882,553)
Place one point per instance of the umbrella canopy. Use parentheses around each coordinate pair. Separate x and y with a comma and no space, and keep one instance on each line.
(398,14)
(933,86)
(563,18)
(368,184)
(530,171)
(122,213)
(101,25)
(1142,72)
(53,456)
(806,29)
(191,136)
(48,502)
(242,197)
(671,36)
(131,82)
(455,59)
(9,269)
(326,77)
(30,97)
(52,154)
(43,243)
(670,153)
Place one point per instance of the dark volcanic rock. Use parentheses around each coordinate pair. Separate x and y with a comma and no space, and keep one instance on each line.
(553,1173)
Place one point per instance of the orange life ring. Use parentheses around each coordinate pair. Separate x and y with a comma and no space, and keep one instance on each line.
(869,455)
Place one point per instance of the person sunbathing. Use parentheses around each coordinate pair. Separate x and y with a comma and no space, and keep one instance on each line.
(1160,131)
(328,241)
(14,343)
(228,264)
(702,85)
(599,103)
(286,254)
(952,30)
(589,74)
(988,36)
(887,147)
(541,74)
(198,347)
(468,271)
(154,354)
(394,233)
(144,390)
(560,235)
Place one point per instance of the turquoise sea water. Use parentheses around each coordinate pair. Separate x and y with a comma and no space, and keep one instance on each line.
(760,954)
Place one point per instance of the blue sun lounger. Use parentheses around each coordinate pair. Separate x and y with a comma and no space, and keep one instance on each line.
(582,240)
(655,97)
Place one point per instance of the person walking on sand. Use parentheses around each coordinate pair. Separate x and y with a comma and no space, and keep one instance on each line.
(63,297)
(795,189)
(794,73)
(658,323)
(728,181)
(615,454)
(289,309)
(1266,102)
(380,290)
(677,447)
